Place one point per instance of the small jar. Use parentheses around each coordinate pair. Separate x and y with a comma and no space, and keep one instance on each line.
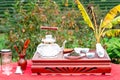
(6,57)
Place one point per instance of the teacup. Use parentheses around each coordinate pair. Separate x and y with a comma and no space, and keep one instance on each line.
(77,50)
(85,50)
(90,54)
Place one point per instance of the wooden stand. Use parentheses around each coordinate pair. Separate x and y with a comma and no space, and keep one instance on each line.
(65,66)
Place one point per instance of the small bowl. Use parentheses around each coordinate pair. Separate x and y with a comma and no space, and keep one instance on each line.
(90,54)
(85,50)
(77,50)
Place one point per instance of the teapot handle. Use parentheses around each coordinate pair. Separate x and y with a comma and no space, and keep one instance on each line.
(49,28)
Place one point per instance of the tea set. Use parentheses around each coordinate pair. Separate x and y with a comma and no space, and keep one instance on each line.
(48,48)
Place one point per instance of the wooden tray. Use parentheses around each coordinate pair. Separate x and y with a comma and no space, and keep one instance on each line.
(65,66)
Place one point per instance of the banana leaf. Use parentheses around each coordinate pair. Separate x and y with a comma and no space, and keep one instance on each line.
(112,32)
(114,22)
(84,14)
(110,16)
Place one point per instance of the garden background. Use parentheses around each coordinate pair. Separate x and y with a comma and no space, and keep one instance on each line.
(21,19)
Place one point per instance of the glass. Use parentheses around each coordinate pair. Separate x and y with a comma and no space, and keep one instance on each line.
(0,62)
(6,56)
(48,48)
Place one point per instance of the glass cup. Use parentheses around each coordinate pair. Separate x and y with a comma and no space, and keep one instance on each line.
(0,62)
(6,57)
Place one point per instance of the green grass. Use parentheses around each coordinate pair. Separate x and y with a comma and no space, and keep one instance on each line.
(2,41)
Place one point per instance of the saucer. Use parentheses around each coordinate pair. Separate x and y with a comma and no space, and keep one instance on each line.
(74,57)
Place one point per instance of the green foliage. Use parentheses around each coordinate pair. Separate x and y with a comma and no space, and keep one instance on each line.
(27,18)
(113,48)
(2,41)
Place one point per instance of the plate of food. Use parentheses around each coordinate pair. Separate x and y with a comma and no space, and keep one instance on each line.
(74,55)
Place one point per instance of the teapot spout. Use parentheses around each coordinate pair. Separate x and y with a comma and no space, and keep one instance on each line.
(63,45)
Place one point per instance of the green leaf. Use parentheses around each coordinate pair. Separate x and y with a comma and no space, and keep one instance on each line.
(117,52)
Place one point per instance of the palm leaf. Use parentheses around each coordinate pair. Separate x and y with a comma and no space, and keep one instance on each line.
(84,14)
(111,15)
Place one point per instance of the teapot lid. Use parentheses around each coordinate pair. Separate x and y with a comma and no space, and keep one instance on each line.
(48,39)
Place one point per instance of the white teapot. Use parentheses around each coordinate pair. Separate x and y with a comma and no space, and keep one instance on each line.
(48,47)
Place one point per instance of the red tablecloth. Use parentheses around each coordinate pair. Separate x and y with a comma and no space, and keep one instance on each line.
(115,73)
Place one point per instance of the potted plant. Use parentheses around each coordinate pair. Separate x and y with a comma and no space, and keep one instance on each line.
(105,26)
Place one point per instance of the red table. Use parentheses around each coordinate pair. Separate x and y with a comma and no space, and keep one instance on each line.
(115,73)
